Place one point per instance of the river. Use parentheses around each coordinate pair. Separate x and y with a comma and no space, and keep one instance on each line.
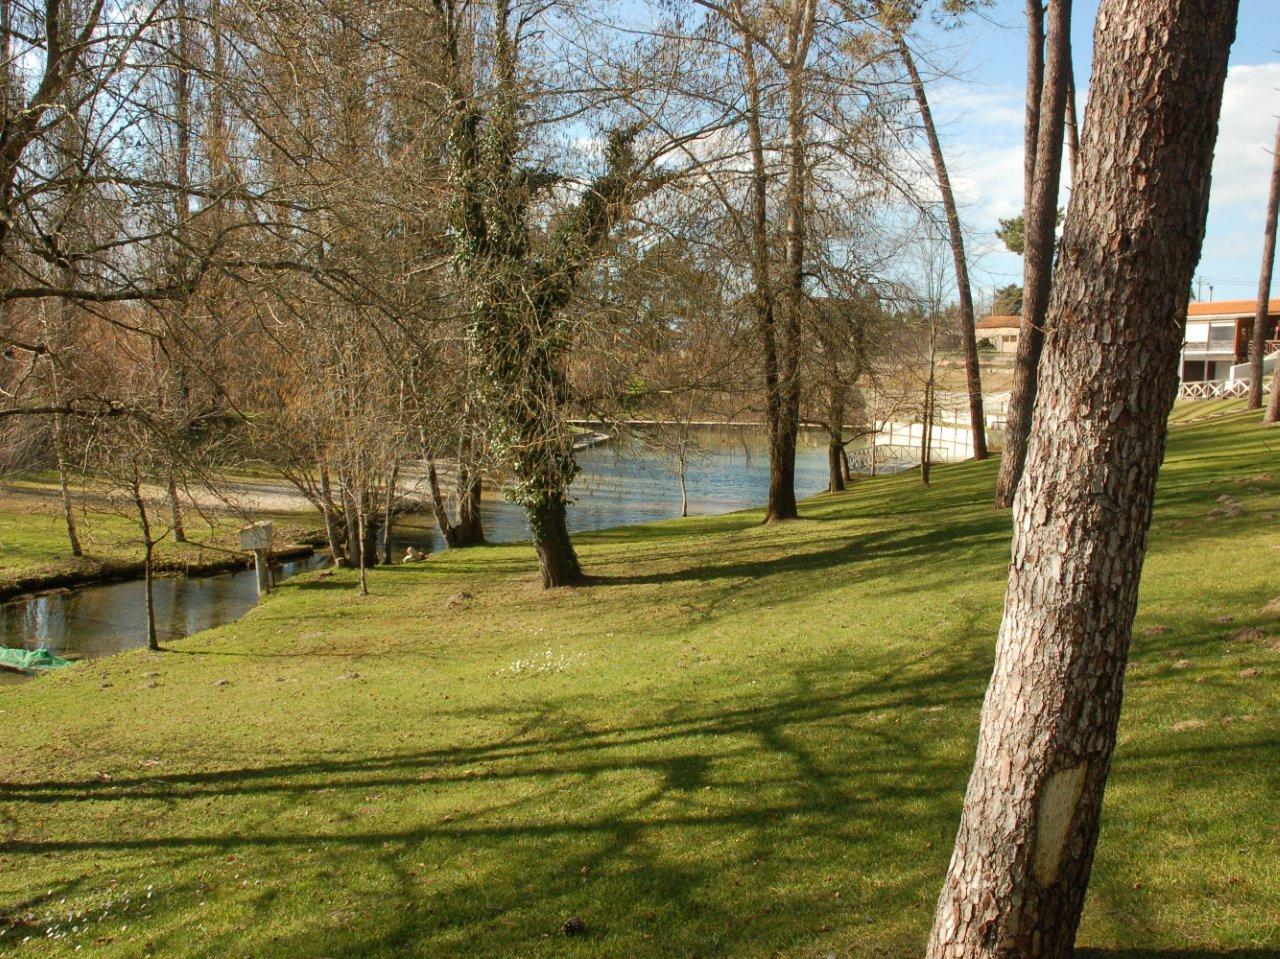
(622,483)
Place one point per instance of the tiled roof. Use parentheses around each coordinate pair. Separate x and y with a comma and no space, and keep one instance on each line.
(1230,308)
(998,322)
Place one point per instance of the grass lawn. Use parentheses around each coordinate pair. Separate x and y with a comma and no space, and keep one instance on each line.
(744,741)
(34,547)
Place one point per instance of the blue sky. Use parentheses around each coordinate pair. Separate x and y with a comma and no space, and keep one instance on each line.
(980,111)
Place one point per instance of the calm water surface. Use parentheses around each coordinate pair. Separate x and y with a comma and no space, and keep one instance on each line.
(622,483)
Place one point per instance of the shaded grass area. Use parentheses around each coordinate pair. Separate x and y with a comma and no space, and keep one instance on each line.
(35,552)
(743,741)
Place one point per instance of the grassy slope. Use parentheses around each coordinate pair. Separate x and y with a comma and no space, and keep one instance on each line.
(751,742)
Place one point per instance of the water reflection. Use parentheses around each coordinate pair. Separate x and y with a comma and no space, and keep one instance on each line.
(621,483)
(100,620)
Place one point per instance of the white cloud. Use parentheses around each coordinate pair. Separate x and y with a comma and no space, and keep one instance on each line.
(983,133)
(1246,135)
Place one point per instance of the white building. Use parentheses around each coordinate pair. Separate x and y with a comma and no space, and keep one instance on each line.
(1000,331)
(1216,348)
(1218,335)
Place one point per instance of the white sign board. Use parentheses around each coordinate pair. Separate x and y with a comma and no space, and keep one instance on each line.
(256,537)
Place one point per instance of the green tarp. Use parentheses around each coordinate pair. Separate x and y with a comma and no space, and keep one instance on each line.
(30,660)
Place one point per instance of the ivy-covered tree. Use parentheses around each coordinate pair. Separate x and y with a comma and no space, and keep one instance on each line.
(520,276)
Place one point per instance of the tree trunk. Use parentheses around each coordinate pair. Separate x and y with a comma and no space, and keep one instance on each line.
(684,491)
(1262,315)
(782,481)
(1073,128)
(389,513)
(362,558)
(447,529)
(835,473)
(175,511)
(926,433)
(328,508)
(968,329)
(64,485)
(355,541)
(1037,257)
(1272,414)
(468,531)
(762,282)
(556,555)
(470,491)
(148,564)
(1017,879)
(844,463)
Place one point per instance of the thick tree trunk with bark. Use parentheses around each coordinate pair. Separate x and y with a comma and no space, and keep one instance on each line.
(1017,879)
(968,330)
(1037,257)
(1272,414)
(557,558)
(1258,346)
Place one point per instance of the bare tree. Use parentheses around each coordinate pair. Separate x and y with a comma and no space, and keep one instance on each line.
(1017,879)
(966,319)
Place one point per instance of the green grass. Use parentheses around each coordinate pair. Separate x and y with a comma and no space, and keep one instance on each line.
(1192,411)
(34,547)
(744,741)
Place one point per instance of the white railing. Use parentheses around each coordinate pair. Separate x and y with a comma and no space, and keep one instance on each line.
(1217,389)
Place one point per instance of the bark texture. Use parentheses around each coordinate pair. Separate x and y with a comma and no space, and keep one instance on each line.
(1037,257)
(782,446)
(1017,879)
(968,331)
(556,555)
(1257,348)
(468,530)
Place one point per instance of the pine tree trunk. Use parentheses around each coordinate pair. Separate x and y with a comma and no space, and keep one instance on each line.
(968,329)
(1017,879)
(1037,258)
(556,556)
(1262,315)
(1272,414)
(1073,127)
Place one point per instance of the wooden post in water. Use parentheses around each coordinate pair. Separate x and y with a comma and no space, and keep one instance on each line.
(256,538)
